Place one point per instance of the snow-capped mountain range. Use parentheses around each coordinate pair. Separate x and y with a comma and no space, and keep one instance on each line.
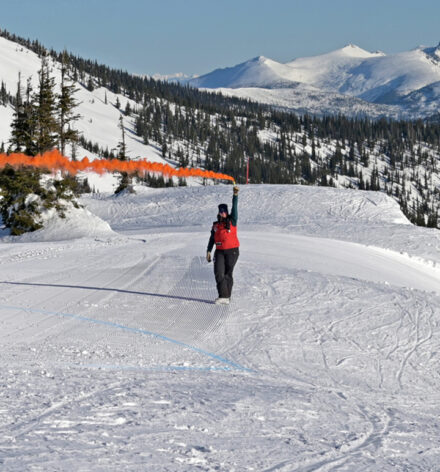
(350,80)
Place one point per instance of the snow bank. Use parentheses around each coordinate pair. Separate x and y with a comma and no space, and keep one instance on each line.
(78,223)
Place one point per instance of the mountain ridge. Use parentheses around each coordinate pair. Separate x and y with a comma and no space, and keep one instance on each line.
(351,72)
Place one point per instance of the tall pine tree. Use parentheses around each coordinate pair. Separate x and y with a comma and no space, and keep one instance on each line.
(46,132)
(3,95)
(125,181)
(17,141)
(24,121)
(67,104)
(122,155)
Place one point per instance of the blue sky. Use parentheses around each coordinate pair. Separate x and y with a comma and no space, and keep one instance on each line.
(195,36)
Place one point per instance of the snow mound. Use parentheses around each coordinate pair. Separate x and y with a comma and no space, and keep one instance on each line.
(276,205)
(77,223)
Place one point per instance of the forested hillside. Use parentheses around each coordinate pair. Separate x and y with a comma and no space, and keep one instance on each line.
(197,128)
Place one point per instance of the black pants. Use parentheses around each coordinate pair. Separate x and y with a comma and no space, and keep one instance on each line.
(224,262)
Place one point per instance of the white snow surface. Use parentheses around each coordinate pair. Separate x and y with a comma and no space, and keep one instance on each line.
(115,358)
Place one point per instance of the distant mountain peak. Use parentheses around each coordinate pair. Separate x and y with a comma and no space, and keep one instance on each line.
(351,46)
(433,52)
(353,50)
(259,59)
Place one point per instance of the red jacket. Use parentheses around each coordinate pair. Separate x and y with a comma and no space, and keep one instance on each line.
(223,238)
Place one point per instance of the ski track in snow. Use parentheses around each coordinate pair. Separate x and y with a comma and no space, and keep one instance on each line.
(115,357)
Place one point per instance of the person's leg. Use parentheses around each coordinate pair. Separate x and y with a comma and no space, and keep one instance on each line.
(230,260)
(219,272)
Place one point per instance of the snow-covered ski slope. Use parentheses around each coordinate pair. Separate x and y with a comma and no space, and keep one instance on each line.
(114,357)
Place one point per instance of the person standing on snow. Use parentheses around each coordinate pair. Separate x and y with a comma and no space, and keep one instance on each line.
(224,236)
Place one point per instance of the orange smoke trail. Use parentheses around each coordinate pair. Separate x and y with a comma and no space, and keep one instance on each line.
(54,160)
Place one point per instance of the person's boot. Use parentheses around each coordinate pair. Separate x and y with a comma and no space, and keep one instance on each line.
(222,301)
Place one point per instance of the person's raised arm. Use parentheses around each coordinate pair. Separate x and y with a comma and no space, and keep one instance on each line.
(234,209)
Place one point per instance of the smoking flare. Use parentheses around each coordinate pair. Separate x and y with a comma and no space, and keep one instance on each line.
(54,160)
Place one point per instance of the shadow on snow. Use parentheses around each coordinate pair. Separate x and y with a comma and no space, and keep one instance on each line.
(149,294)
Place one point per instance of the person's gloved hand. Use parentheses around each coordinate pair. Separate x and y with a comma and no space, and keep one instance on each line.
(208,256)
(236,190)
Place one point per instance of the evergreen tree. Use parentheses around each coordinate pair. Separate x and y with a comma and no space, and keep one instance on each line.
(122,155)
(24,121)
(3,94)
(24,198)
(47,127)
(90,84)
(66,106)
(125,180)
(19,213)
(18,139)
